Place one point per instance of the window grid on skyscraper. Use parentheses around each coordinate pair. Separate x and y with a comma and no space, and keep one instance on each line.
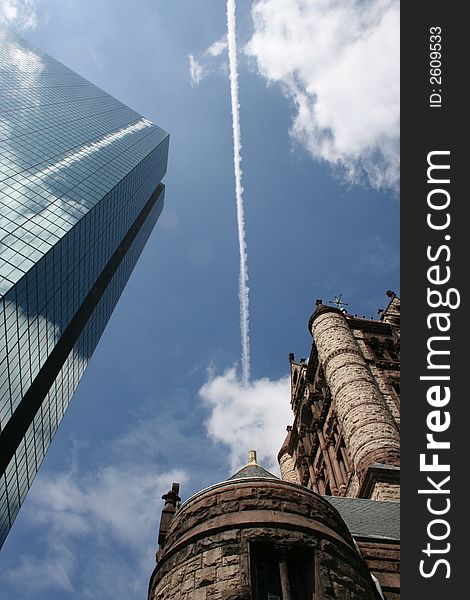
(80,192)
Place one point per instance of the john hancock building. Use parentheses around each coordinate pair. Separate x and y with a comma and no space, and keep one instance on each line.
(80,191)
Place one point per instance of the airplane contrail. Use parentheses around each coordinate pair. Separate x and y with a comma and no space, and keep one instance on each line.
(243,280)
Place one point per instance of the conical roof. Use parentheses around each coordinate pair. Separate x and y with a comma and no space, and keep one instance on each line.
(252,469)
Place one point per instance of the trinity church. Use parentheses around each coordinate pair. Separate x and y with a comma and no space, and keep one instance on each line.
(328,529)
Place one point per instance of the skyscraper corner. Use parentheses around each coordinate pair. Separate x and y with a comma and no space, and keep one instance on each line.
(80,192)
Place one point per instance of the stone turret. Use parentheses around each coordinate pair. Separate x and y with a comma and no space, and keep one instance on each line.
(344,440)
(254,535)
(370,432)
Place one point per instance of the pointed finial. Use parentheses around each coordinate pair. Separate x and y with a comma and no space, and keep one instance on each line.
(252,457)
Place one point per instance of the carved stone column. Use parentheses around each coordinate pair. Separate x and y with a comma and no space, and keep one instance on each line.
(328,465)
(341,482)
(284,575)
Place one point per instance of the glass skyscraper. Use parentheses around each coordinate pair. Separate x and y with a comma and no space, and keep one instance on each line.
(80,191)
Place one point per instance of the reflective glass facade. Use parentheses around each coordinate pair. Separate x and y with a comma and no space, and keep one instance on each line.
(80,192)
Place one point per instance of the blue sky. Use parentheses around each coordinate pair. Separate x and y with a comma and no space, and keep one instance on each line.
(162,400)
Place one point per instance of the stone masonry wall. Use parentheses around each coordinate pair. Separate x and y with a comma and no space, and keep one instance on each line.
(208,569)
(207,550)
(389,492)
(381,376)
(217,568)
(353,487)
(383,559)
(384,387)
(288,469)
(370,432)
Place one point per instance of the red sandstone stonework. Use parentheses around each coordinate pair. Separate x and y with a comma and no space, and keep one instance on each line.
(206,554)
(346,401)
(344,442)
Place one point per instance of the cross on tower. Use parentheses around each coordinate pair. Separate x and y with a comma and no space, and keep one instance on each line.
(337,300)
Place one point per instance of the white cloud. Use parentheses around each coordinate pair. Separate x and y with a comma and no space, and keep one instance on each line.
(218,47)
(90,505)
(245,417)
(54,571)
(107,514)
(338,60)
(196,70)
(19,13)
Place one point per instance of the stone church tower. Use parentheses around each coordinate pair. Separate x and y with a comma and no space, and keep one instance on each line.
(344,441)
(329,528)
(345,437)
